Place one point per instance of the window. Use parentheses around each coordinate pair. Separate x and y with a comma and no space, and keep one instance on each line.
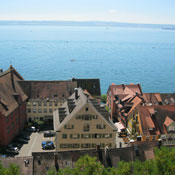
(68,126)
(45,110)
(29,110)
(86,145)
(85,136)
(50,103)
(64,145)
(74,136)
(94,145)
(28,103)
(86,108)
(64,136)
(50,110)
(34,110)
(8,130)
(7,119)
(39,103)
(96,136)
(86,127)
(39,110)
(34,103)
(41,118)
(95,117)
(107,135)
(75,145)
(56,104)
(100,126)
(45,103)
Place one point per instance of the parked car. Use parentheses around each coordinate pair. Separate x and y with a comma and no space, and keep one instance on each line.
(14,150)
(22,140)
(47,145)
(31,129)
(49,134)
(16,144)
(25,136)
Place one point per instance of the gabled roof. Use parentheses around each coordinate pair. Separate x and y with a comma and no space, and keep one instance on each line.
(168,121)
(153,98)
(9,90)
(136,101)
(146,120)
(78,104)
(125,89)
(162,111)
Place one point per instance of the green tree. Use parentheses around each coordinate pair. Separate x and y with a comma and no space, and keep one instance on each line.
(88,165)
(103,98)
(124,168)
(12,170)
(165,161)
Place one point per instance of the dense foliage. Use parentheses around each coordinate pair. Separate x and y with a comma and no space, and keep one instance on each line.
(12,170)
(103,98)
(163,164)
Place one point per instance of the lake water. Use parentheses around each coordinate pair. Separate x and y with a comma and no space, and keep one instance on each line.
(113,54)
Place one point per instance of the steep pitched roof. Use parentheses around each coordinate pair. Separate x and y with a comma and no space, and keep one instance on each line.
(153,98)
(9,89)
(162,111)
(78,104)
(146,120)
(168,121)
(125,89)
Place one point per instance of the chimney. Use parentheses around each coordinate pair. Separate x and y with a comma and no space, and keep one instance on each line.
(12,78)
(123,86)
(76,93)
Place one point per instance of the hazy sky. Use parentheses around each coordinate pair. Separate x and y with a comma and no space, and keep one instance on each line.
(139,11)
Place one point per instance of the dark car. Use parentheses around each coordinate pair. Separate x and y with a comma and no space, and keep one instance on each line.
(14,150)
(22,140)
(49,134)
(24,136)
(47,145)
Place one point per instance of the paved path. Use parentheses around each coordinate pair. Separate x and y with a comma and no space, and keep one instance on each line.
(34,144)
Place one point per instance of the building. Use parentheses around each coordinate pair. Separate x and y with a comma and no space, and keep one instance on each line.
(13,114)
(44,97)
(120,99)
(82,124)
(151,122)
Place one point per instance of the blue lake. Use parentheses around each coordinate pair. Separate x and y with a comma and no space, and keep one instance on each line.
(113,54)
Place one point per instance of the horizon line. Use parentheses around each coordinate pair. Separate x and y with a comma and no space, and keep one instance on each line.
(98,21)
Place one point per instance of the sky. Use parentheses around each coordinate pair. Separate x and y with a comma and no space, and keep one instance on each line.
(133,11)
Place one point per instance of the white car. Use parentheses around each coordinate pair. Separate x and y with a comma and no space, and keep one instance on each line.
(12,150)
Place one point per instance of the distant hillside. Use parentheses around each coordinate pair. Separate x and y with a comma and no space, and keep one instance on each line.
(86,23)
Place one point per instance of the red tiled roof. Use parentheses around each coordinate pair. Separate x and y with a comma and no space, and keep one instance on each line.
(168,121)
(159,99)
(151,110)
(136,101)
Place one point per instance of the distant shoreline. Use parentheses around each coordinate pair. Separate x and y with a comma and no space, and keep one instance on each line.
(86,23)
